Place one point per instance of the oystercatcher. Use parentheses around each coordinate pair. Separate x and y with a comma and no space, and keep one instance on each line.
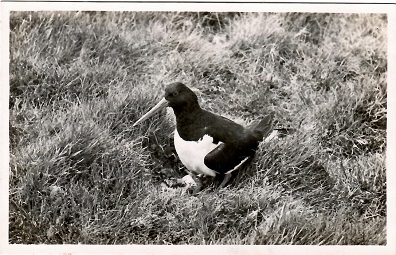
(207,143)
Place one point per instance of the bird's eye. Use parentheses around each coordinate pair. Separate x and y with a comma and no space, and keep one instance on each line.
(175,93)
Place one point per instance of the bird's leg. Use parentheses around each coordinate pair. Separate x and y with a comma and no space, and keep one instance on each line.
(232,173)
(226,179)
(198,184)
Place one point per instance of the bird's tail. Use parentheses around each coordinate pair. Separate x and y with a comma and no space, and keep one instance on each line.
(262,128)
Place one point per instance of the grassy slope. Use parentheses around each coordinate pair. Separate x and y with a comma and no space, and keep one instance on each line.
(79,173)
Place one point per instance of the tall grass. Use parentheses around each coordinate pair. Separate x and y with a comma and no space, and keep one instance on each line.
(79,172)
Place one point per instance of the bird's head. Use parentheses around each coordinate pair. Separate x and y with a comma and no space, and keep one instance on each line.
(178,96)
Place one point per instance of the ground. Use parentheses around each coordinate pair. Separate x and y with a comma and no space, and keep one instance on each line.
(80,173)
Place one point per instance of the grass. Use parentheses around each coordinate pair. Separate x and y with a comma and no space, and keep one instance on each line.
(80,174)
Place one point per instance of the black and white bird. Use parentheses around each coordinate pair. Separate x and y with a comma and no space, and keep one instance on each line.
(207,143)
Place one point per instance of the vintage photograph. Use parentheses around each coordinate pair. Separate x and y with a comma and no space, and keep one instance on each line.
(197,128)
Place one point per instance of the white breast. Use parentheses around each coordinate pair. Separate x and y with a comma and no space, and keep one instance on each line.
(192,153)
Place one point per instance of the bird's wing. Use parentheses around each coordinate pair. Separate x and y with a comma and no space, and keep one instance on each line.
(224,158)
(237,143)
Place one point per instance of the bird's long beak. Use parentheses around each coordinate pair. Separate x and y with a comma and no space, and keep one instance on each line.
(159,106)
